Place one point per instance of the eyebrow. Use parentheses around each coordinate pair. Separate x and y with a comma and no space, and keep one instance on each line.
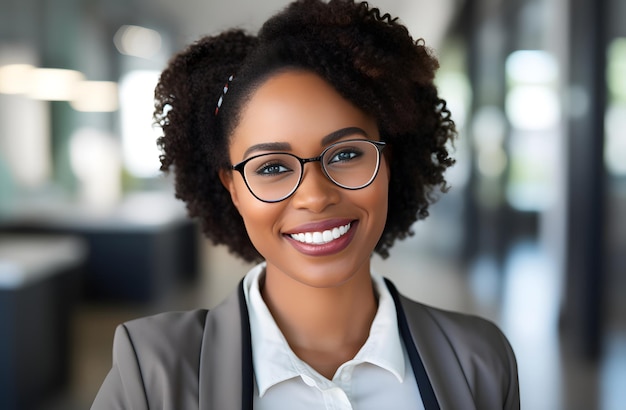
(327,140)
(336,135)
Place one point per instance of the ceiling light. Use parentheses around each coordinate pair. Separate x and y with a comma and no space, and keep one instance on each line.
(16,78)
(137,41)
(54,84)
(95,96)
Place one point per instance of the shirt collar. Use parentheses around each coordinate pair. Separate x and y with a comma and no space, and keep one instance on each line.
(274,361)
(270,352)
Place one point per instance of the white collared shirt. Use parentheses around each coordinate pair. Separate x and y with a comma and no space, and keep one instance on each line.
(380,376)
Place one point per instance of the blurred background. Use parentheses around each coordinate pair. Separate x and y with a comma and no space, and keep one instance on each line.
(532,234)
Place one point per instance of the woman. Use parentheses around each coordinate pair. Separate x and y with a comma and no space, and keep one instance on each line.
(307,148)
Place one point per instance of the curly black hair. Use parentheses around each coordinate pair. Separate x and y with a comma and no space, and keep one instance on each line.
(369,58)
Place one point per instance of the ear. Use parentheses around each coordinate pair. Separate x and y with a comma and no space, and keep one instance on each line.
(226,177)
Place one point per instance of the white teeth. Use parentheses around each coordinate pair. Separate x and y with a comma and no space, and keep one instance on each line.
(319,238)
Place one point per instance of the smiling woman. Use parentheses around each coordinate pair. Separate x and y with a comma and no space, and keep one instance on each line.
(308,148)
(300,110)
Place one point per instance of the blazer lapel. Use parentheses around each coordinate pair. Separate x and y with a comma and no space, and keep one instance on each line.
(437,355)
(225,374)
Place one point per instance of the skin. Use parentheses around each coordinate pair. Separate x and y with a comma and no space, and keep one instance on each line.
(324,303)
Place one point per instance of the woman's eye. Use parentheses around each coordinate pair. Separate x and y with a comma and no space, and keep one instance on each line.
(344,156)
(272,169)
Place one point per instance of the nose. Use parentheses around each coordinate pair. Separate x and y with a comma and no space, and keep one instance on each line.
(316,192)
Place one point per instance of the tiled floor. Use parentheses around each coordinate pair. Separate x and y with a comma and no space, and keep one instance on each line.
(522,300)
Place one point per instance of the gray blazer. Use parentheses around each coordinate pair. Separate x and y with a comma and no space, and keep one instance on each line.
(203,360)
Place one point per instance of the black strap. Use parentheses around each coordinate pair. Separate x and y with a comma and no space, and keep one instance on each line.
(247,372)
(423,382)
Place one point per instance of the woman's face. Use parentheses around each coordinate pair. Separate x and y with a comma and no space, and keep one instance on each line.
(298,112)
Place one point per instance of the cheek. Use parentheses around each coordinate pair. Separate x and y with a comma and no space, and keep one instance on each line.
(381,201)
(259,217)
(382,198)
(375,200)
(381,187)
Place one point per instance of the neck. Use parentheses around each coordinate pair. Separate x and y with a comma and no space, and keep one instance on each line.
(325,327)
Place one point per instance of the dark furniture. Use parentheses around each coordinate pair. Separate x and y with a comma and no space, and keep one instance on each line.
(39,288)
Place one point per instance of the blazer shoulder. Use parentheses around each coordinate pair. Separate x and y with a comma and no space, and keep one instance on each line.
(481,348)
(468,332)
(474,332)
(167,349)
(171,327)
(162,339)
(469,335)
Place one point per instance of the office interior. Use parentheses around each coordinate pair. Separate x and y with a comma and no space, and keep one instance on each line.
(531,235)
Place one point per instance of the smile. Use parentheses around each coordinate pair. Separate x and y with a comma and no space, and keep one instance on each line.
(320,238)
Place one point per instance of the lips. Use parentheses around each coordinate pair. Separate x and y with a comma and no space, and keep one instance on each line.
(324,238)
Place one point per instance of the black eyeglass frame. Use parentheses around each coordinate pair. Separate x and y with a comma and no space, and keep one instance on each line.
(239,167)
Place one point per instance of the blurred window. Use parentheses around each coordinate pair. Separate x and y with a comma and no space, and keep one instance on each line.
(533,109)
(615,122)
(139,149)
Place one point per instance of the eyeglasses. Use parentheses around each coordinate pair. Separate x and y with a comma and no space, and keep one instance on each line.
(274,177)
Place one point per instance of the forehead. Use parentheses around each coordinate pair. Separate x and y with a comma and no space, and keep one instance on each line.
(298,108)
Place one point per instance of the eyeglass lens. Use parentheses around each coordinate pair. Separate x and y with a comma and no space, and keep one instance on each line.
(349,164)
